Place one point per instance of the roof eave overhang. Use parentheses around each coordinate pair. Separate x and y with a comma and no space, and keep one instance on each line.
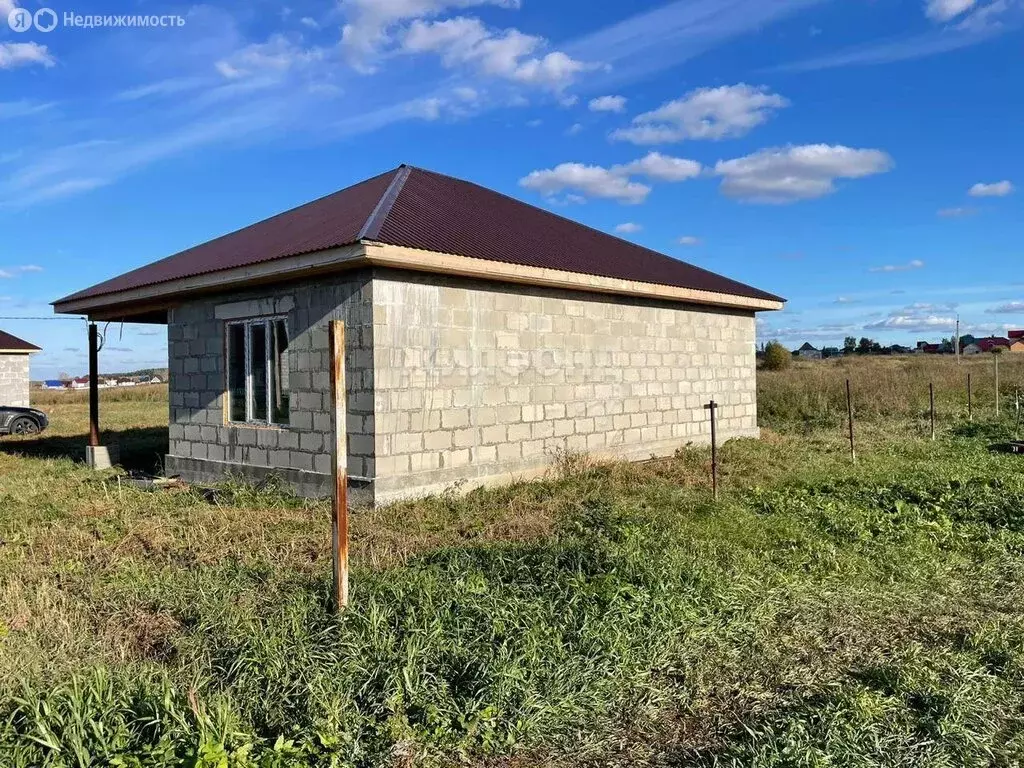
(400,257)
(19,351)
(146,299)
(166,294)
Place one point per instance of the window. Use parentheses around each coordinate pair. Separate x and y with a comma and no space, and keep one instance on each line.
(257,355)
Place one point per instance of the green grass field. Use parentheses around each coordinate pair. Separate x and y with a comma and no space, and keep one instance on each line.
(821,614)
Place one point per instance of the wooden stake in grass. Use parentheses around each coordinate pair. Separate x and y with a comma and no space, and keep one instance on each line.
(931,400)
(997,384)
(970,399)
(849,410)
(339,509)
(713,408)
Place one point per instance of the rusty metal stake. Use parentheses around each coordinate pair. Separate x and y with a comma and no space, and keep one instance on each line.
(931,399)
(339,508)
(849,411)
(713,407)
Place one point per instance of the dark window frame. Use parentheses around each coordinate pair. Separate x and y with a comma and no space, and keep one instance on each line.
(270,372)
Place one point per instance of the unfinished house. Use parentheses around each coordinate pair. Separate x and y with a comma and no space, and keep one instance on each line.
(14,370)
(482,336)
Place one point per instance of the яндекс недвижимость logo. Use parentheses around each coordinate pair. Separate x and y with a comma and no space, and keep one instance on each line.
(22,20)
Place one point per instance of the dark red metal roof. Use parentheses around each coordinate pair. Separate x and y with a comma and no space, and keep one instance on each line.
(13,343)
(426,210)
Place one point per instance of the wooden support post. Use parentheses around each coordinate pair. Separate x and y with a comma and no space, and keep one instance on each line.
(713,408)
(996,356)
(94,386)
(339,508)
(849,411)
(931,400)
(970,399)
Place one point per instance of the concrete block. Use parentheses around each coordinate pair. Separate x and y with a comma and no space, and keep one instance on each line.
(102,456)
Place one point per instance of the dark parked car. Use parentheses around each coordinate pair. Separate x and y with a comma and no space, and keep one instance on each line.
(22,421)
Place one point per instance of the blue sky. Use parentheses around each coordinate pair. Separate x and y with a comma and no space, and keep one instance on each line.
(859,157)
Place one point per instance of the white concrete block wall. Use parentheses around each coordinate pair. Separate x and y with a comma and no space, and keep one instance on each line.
(481,382)
(14,380)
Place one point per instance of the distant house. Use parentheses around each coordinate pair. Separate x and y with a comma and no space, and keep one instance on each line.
(807,352)
(992,342)
(54,384)
(1015,335)
(899,349)
(829,352)
(930,349)
(971,349)
(14,370)
(82,382)
(1017,346)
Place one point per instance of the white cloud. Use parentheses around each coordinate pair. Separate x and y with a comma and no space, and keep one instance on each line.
(998,189)
(309,21)
(608,104)
(689,241)
(370,23)
(785,175)
(706,113)
(591,180)
(1010,308)
(29,268)
(6,6)
(917,318)
(463,41)
(24,54)
(574,129)
(628,228)
(613,183)
(845,300)
(956,213)
(944,10)
(661,167)
(911,265)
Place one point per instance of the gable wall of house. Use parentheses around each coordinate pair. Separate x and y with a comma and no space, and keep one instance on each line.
(14,380)
(204,447)
(483,382)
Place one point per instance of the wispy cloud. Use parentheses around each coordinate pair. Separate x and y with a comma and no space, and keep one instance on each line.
(10,110)
(665,37)
(909,266)
(1009,308)
(958,212)
(984,23)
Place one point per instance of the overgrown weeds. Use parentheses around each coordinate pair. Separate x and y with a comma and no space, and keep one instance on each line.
(823,613)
